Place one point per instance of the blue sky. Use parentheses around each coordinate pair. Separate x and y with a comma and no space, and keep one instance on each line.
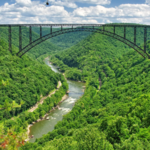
(74,11)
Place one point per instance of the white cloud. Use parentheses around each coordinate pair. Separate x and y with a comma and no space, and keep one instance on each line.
(23,2)
(94,11)
(65,3)
(122,13)
(34,12)
(147,1)
(101,2)
(22,12)
(135,10)
(124,10)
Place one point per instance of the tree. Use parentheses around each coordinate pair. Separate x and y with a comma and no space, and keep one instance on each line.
(14,105)
(92,139)
(11,140)
(7,107)
(3,83)
(21,103)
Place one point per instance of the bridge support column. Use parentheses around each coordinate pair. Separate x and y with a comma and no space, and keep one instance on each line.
(134,35)
(30,34)
(40,31)
(103,28)
(20,39)
(114,29)
(51,29)
(124,32)
(9,37)
(112,32)
(145,38)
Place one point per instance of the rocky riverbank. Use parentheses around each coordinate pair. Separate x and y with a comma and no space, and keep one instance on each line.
(44,117)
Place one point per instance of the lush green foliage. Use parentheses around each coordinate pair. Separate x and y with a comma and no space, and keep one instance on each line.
(28,80)
(23,82)
(26,117)
(45,48)
(114,117)
(63,41)
(11,140)
(88,55)
(37,51)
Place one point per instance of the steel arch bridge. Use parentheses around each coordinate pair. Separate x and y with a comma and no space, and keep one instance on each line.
(106,29)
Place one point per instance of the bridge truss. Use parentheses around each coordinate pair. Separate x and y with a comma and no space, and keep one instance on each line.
(106,29)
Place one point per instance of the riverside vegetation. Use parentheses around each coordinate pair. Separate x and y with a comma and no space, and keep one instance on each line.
(28,81)
(116,117)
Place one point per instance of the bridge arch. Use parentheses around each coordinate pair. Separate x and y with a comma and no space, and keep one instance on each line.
(86,28)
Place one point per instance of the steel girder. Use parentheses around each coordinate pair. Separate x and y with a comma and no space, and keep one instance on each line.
(75,28)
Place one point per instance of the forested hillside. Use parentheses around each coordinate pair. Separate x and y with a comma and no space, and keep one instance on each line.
(47,47)
(43,48)
(87,56)
(28,80)
(23,82)
(113,113)
(93,50)
(63,41)
(114,117)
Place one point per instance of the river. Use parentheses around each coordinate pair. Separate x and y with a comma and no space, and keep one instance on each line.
(44,126)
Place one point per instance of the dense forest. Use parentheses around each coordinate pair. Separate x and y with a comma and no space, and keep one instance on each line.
(84,58)
(36,51)
(46,48)
(112,117)
(28,79)
(113,113)
(23,82)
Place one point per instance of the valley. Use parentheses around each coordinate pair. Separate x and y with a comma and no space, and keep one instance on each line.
(113,113)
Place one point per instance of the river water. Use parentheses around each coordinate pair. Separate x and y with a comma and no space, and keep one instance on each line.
(44,126)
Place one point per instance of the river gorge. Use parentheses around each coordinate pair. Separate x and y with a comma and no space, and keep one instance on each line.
(76,90)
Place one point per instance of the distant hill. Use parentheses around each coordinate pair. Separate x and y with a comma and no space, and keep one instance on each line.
(66,40)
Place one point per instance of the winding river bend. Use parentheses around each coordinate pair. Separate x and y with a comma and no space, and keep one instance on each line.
(44,126)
